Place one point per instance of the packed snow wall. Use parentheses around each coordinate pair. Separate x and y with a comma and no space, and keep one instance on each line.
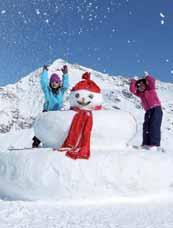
(43,174)
(113,170)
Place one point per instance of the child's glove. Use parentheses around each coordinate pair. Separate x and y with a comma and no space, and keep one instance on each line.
(136,78)
(45,67)
(64,69)
(146,73)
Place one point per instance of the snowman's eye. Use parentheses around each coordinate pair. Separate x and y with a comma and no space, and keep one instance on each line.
(91,96)
(77,95)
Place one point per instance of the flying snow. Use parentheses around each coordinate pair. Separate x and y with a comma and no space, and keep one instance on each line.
(37,11)
(3,12)
(162,15)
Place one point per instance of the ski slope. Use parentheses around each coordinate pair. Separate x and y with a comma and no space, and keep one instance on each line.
(147,214)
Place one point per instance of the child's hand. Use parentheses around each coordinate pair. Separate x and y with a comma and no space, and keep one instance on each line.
(64,69)
(45,67)
(136,78)
(146,73)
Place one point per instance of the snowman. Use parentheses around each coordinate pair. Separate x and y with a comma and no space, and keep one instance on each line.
(85,97)
(87,126)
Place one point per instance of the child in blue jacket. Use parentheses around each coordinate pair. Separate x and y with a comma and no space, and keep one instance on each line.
(54,90)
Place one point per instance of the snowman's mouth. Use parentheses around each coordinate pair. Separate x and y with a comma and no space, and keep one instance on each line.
(83,103)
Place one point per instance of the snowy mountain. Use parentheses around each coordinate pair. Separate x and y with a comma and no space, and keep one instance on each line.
(22,102)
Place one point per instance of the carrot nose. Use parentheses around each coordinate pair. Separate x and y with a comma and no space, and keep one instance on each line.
(83,99)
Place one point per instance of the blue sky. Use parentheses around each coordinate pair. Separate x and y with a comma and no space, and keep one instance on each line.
(119,37)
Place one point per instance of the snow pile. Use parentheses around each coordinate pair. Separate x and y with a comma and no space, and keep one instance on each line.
(110,173)
(47,175)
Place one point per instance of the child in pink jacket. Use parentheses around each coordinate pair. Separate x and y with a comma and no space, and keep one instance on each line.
(145,89)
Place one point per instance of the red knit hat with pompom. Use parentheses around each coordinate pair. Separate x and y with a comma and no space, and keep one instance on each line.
(86,84)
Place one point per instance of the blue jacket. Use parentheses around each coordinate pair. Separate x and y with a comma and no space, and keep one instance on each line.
(53,101)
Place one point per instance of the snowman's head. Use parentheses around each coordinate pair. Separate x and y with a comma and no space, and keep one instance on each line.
(86,94)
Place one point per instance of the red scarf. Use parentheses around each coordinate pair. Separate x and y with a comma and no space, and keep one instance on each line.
(78,139)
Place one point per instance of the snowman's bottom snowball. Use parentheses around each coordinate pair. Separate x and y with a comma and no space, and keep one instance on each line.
(111,129)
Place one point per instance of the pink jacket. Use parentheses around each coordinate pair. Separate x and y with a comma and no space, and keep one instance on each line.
(149,97)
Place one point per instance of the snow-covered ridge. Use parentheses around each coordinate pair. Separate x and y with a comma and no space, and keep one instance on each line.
(20,103)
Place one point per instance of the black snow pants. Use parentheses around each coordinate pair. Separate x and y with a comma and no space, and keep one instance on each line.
(152,127)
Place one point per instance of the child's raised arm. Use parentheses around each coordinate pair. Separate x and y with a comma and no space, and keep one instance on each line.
(133,88)
(65,79)
(150,81)
(44,80)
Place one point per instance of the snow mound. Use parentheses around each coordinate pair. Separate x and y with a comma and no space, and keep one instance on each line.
(111,129)
(112,171)
(41,174)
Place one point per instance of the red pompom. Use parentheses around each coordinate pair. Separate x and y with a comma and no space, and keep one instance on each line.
(86,76)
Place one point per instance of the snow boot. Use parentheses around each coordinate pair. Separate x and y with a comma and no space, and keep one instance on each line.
(36,142)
